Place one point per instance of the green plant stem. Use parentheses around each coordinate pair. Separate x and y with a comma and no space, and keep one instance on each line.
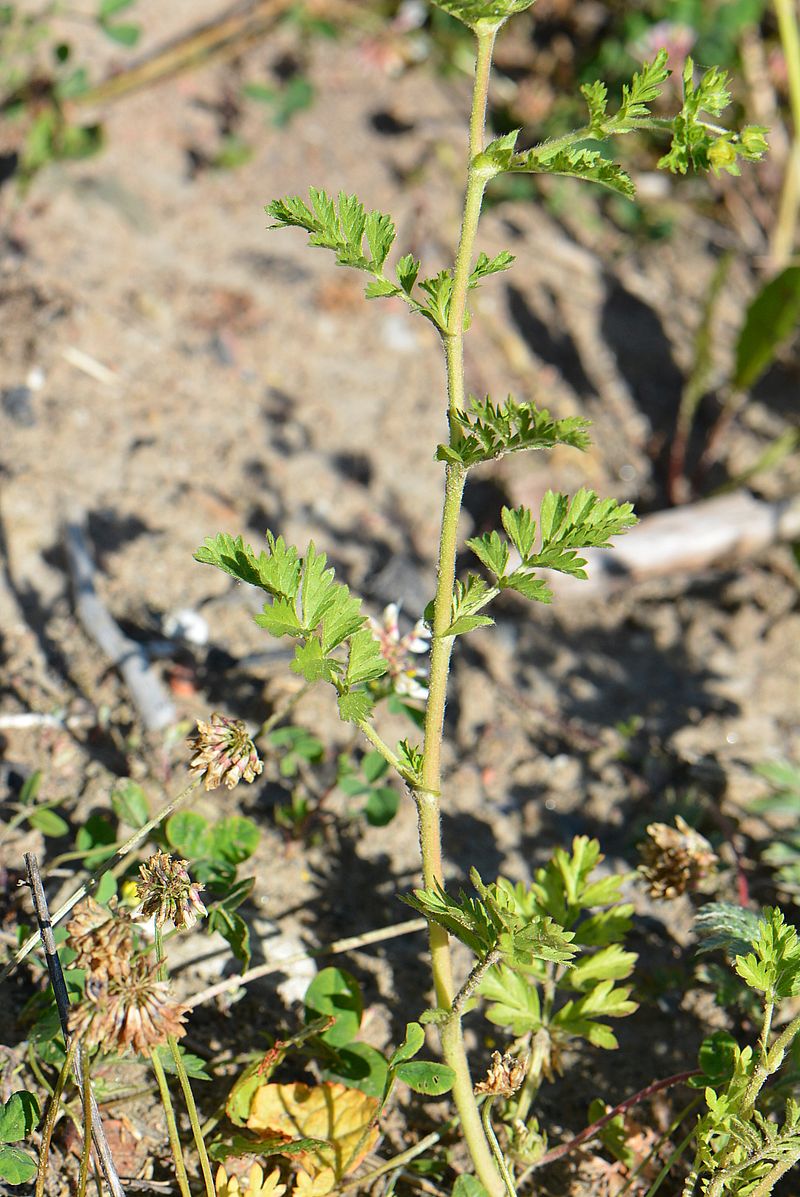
(786,224)
(486,1118)
(172,1129)
(427,792)
(83,1176)
(397,1161)
(52,1114)
(779,1168)
(382,747)
(191,1108)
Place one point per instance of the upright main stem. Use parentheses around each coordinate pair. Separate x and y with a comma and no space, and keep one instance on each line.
(783,237)
(429,791)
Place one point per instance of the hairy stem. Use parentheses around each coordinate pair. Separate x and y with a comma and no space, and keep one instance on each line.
(427,793)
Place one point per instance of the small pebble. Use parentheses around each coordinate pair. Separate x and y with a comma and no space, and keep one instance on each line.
(16,403)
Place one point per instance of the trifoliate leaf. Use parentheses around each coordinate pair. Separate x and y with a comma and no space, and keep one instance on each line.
(412,1043)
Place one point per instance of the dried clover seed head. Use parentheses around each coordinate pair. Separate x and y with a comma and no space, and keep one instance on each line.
(505,1075)
(102,939)
(167,892)
(132,1012)
(675,859)
(223,752)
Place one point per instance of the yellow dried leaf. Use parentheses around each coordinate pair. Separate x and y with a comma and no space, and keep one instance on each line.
(319,1185)
(332,1112)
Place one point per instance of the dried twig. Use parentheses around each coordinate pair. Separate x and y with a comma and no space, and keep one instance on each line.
(589,1132)
(380,935)
(62,1002)
(145,689)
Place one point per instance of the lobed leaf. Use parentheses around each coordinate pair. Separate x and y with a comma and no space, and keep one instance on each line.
(486,431)
(514,1002)
(341,226)
(574,162)
(486,266)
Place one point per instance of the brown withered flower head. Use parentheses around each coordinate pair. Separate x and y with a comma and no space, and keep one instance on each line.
(675,859)
(102,939)
(506,1074)
(223,752)
(133,1012)
(167,892)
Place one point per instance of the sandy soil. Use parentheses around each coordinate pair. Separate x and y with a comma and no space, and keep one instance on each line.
(193,373)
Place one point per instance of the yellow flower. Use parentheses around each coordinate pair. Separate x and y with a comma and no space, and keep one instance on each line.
(257,1185)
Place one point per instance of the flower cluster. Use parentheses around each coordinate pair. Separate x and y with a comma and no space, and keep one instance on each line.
(223,752)
(167,892)
(506,1074)
(407,679)
(675,859)
(124,1005)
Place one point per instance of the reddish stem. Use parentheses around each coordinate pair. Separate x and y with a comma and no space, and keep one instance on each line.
(590,1131)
